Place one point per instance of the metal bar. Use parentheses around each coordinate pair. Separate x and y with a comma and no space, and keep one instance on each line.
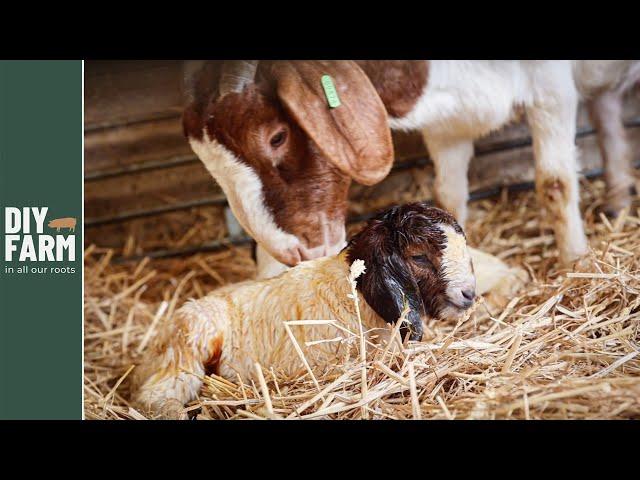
(243,240)
(141,167)
(526,141)
(181,252)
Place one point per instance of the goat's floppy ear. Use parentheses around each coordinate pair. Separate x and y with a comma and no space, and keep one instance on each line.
(387,285)
(354,136)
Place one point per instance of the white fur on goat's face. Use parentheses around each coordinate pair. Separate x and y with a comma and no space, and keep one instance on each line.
(457,270)
(243,189)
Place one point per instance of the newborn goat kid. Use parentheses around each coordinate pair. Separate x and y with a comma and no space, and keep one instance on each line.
(413,254)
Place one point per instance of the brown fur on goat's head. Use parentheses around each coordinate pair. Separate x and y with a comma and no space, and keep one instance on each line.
(283,157)
(415,254)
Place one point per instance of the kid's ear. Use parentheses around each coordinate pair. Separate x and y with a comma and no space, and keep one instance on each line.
(387,286)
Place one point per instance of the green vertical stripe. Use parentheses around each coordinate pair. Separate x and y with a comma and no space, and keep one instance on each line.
(41,165)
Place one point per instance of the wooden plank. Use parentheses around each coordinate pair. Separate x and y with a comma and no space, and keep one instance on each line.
(174,229)
(134,145)
(148,190)
(129,91)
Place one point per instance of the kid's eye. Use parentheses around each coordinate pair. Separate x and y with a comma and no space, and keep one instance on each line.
(422,259)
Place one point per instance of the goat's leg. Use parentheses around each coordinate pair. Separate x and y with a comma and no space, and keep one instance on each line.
(552,119)
(606,115)
(451,184)
(187,347)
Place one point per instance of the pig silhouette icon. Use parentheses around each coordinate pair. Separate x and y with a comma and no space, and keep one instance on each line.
(67,222)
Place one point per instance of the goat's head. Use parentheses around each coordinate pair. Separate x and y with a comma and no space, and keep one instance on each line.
(418,255)
(283,157)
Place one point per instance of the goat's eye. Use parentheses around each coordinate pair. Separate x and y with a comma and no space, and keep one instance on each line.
(422,260)
(278,139)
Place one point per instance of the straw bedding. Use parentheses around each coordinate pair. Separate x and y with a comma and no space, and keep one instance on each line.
(565,347)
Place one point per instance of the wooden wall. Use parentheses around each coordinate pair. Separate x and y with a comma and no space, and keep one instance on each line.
(140,173)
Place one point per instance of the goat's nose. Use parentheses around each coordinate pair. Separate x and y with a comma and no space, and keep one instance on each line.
(289,257)
(469,294)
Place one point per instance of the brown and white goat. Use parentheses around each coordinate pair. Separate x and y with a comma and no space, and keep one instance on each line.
(414,255)
(285,159)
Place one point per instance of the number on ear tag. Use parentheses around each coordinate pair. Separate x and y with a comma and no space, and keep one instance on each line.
(330,91)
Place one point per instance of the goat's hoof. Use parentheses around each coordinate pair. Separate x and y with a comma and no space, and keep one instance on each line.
(619,201)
